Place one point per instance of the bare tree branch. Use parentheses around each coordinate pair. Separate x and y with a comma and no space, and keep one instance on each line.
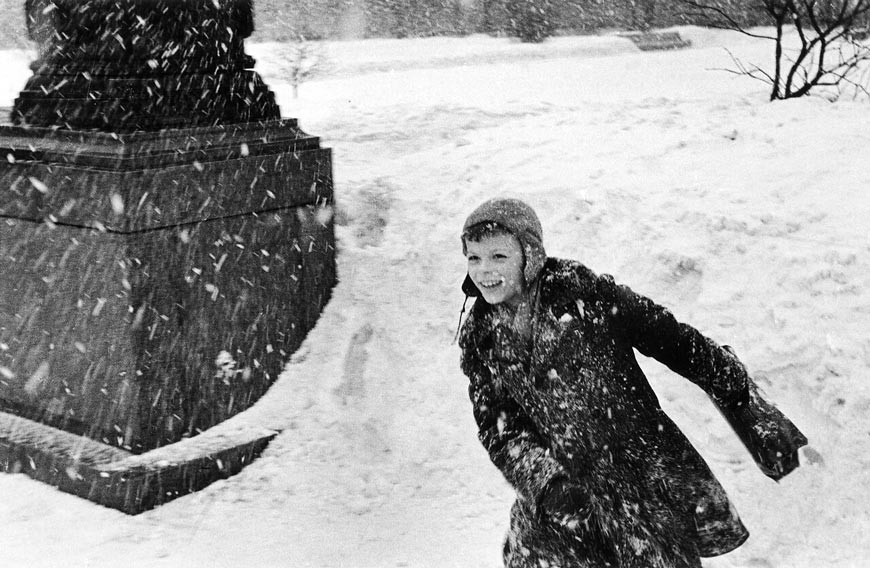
(827,54)
(729,23)
(754,71)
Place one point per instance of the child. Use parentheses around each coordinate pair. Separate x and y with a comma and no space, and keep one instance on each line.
(603,477)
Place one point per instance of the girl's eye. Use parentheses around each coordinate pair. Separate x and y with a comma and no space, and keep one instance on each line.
(472,258)
(499,256)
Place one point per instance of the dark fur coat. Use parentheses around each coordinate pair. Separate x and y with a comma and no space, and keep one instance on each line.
(569,402)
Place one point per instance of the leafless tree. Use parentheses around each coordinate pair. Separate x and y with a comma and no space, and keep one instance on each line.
(829,51)
(306,59)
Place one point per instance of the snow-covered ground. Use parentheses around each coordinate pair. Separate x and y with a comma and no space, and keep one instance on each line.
(748,218)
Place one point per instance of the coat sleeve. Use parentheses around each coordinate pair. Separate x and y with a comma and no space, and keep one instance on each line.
(513,444)
(509,436)
(656,333)
(769,436)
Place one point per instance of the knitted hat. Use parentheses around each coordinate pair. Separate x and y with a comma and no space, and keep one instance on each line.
(521,220)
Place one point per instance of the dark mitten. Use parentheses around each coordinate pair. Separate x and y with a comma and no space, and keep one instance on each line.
(771,438)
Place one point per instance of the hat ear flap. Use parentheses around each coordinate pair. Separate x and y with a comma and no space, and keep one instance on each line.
(469,288)
(534,262)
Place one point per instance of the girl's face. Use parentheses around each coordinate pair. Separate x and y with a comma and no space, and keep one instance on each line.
(495,265)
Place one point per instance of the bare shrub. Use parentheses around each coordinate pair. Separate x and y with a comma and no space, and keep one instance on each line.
(826,51)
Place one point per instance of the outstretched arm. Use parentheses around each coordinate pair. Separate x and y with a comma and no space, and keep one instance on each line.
(655,332)
(771,438)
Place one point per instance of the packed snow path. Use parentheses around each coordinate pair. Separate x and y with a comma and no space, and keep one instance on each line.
(747,218)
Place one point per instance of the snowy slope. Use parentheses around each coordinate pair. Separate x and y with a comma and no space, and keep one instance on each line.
(748,218)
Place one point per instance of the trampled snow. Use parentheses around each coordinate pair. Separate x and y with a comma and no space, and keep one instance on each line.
(749,219)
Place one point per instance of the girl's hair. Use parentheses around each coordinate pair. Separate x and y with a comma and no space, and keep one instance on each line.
(480,231)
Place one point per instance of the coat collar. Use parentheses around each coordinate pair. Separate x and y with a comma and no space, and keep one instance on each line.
(563,282)
(556,291)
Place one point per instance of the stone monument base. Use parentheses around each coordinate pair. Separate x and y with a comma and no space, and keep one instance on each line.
(117,478)
(166,241)
(154,285)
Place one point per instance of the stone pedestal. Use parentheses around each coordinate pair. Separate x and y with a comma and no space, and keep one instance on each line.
(155,284)
(167,243)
